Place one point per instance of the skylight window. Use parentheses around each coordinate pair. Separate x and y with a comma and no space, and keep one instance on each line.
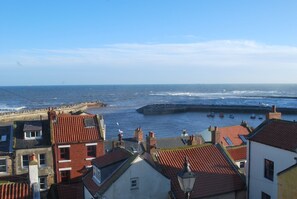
(3,138)
(243,139)
(229,142)
(89,122)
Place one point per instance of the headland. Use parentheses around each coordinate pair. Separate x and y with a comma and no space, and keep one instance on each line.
(154,109)
(42,113)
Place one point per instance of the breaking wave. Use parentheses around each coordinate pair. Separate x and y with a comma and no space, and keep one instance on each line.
(5,108)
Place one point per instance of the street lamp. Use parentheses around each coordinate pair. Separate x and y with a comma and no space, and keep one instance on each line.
(186,179)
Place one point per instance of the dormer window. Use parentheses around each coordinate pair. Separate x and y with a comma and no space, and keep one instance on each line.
(32,130)
(89,122)
(3,138)
(31,135)
(96,175)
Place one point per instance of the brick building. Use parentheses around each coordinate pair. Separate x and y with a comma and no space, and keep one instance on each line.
(76,140)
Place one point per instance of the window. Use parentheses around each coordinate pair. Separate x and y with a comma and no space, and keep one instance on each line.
(2,165)
(30,135)
(265,196)
(42,159)
(25,160)
(42,183)
(3,138)
(243,139)
(65,176)
(64,153)
(134,183)
(242,164)
(97,175)
(91,151)
(269,169)
(229,142)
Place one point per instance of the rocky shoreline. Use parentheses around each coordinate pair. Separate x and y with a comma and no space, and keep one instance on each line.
(154,109)
(42,113)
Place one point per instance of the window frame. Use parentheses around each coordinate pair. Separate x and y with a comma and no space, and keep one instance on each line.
(43,183)
(44,159)
(5,165)
(67,155)
(91,153)
(265,195)
(269,169)
(32,135)
(25,166)
(134,183)
(68,174)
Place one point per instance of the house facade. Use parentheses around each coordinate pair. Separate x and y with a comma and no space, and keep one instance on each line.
(122,174)
(287,182)
(6,152)
(33,137)
(271,149)
(76,139)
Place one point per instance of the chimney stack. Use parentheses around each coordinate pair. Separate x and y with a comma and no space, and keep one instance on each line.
(138,134)
(51,115)
(33,176)
(273,114)
(151,142)
(215,135)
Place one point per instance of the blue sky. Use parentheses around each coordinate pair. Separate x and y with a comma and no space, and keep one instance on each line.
(147,42)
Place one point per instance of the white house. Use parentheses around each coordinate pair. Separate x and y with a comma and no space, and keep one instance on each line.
(122,174)
(272,148)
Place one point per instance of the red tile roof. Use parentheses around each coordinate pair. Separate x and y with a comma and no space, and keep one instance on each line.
(116,155)
(277,133)
(71,128)
(238,153)
(215,175)
(15,191)
(233,133)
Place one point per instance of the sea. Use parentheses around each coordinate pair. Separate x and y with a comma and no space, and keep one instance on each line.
(122,101)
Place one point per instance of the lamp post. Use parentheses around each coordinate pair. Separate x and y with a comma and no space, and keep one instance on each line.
(186,178)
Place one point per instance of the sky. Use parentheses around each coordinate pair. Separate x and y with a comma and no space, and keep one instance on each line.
(96,42)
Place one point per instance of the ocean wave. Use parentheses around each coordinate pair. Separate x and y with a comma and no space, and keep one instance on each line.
(5,108)
(224,94)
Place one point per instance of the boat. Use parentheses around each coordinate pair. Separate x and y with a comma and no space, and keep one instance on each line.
(260,118)
(253,116)
(231,116)
(212,114)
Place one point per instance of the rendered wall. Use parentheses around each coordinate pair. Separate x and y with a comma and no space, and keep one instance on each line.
(287,187)
(152,184)
(257,182)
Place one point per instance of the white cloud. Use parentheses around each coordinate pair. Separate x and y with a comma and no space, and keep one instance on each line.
(204,57)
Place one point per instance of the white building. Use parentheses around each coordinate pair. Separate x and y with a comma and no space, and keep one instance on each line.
(272,148)
(121,174)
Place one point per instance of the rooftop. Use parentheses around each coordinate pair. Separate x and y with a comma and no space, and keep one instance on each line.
(15,191)
(215,173)
(6,139)
(21,143)
(277,133)
(238,153)
(66,191)
(69,128)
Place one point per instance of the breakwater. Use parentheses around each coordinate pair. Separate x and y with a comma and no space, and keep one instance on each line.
(180,108)
(42,113)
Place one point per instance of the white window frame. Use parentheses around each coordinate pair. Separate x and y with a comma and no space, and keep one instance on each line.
(4,172)
(96,175)
(34,137)
(42,165)
(45,183)
(23,161)
(91,144)
(65,169)
(134,183)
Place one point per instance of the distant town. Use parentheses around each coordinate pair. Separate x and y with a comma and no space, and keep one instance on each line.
(64,154)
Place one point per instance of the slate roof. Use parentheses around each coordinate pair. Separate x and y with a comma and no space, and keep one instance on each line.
(21,143)
(172,142)
(277,133)
(206,134)
(215,173)
(32,126)
(72,128)
(6,146)
(66,191)
(238,153)
(15,191)
(116,163)
(130,144)
(233,133)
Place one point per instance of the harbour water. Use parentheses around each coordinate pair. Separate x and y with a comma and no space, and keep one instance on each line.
(123,100)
